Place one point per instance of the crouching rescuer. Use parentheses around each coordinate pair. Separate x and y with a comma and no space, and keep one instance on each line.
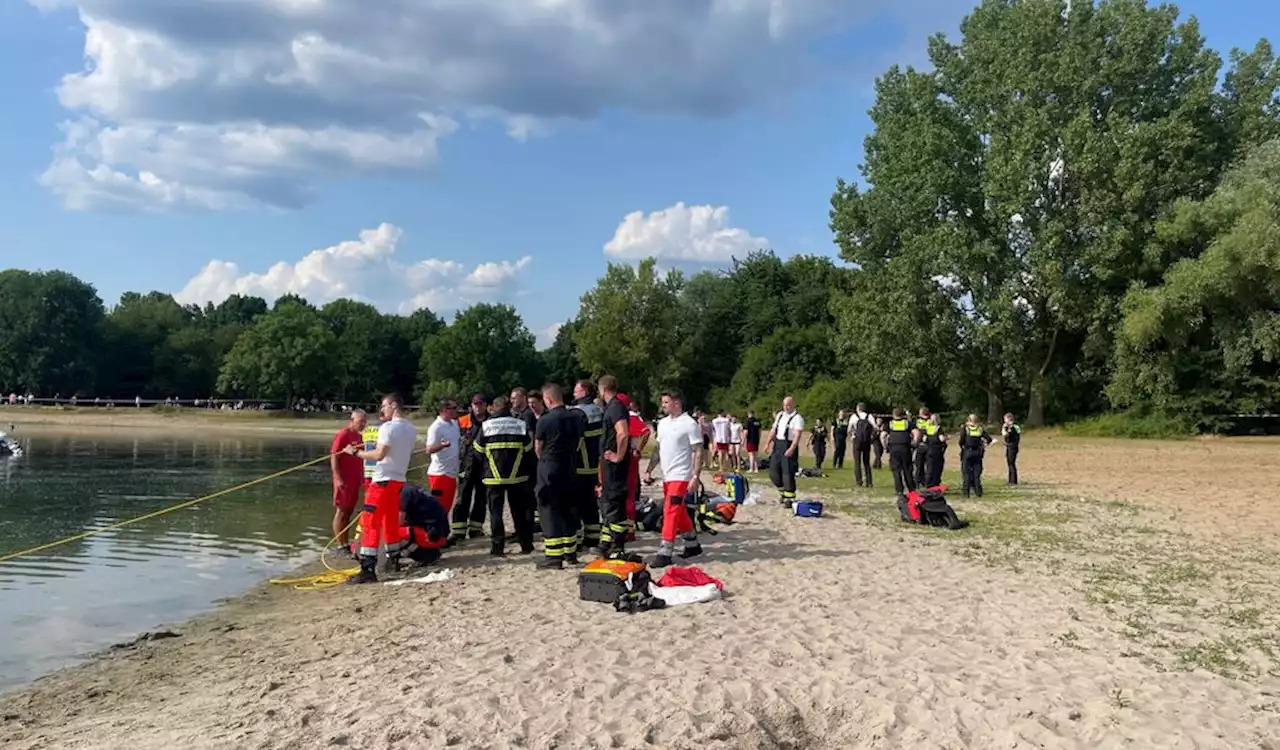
(679,450)
(426,524)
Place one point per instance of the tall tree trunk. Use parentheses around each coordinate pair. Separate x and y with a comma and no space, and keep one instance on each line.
(995,396)
(1040,386)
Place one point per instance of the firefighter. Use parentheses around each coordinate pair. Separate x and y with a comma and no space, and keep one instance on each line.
(922,451)
(784,435)
(557,441)
(1012,433)
(468,509)
(520,409)
(973,446)
(586,465)
(935,442)
(615,467)
(901,438)
(504,442)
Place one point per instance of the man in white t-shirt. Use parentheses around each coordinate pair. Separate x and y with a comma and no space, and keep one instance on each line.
(444,445)
(380,519)
(720,429)
(679,449)
(788,427)
(735,443)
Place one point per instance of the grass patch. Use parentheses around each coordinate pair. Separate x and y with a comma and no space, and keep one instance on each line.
(1132,425)
(1181,603)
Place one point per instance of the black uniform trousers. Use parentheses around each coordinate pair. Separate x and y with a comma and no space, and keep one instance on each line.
(877,448)
(819,454)
(837,456)
(614,524)
(971,470)
(468,507)
(862,462)
(555,493)
(586,510)
(900,468)
(520,498)
(921,459)
(782,470)
(937,457)
(1011,458)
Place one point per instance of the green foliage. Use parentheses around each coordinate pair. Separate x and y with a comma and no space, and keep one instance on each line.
(50,332)
(283,355)
(487,349)
(1134,424)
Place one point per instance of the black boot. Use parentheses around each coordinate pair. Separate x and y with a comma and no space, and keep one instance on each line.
(550,563)
(691,550)
(368,571)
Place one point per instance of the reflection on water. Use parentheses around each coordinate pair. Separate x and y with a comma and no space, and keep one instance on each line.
(79,597)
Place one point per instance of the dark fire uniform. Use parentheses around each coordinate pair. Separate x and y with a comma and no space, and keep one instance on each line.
(560,432)
(973,446)
(506,442)
(615,526)
(586,468)
(468,510)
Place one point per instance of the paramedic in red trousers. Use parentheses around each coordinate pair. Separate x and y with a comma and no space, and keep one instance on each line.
(444,441)
(380,518)
(615,452)
(348,475)
(679,450)
(639,437)
(784,437)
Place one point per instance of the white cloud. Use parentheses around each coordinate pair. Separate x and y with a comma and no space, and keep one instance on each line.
(698,234)
(216,105)
(547,335)
(364,269)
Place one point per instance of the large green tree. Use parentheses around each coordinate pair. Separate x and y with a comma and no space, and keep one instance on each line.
(286,354)
(363,344)
(487,348)
(1026,173)
(50,333)
(156,348)
(1206,340)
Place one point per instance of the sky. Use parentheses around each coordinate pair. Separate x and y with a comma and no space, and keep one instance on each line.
(440,153)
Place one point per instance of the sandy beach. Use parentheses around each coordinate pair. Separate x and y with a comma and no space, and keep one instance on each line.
(850,631)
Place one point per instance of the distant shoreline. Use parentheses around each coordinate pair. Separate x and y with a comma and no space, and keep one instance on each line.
(100,419)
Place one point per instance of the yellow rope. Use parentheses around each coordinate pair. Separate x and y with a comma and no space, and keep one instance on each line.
(161,512)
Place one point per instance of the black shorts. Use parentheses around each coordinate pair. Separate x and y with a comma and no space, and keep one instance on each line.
(706,443)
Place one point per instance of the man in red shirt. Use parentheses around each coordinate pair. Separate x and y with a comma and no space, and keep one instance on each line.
(348,475)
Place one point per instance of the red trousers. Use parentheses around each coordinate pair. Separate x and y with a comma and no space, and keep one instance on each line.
(675,519)
(380,519)
(443,488)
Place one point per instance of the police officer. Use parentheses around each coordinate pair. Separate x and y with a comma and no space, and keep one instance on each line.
(1012,433)
(557,439)
(615,468)
(935,443)
(586,465)
(973,445)
(505,442)
(922,451)
(468,509)
(902,437)
(840,434)
(785,434)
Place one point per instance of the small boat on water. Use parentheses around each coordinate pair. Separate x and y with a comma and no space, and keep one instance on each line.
(9,447)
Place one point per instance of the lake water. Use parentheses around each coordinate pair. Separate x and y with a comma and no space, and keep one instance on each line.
(59,605)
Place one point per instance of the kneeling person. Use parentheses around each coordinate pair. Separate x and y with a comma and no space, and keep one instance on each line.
(426,523)
(679,450)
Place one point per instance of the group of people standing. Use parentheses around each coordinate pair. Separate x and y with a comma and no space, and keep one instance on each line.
(568,470)
(916,446)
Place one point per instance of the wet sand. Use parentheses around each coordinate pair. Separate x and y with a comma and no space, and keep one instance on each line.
(836,633)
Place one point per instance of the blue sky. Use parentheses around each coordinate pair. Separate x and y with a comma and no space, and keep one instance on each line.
(436,152)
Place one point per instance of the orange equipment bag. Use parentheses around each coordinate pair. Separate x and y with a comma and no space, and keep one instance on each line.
(607,580)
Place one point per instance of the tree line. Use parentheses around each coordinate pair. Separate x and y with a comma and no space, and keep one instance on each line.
(1071,212)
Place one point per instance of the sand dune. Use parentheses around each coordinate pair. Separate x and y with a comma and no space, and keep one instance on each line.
(834,634)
